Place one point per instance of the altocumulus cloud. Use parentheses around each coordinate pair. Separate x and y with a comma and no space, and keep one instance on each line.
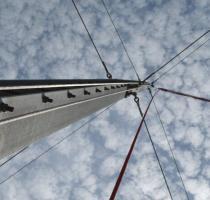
(45,39)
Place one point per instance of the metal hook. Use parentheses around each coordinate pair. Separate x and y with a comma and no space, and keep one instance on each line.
(109,76)
(136,99)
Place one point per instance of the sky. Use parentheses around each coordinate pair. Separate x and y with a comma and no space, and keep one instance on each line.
(46,40)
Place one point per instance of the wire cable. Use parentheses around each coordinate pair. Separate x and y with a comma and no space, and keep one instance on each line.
(121,40)
(13,156)
(136,99)
(122,171)
(184,94)
(172,153)
(163,74)
(55,145)
(177,55)
(108,74)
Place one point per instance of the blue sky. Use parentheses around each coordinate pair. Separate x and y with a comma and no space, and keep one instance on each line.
(45,39)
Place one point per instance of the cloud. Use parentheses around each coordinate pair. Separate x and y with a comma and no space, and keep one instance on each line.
(45,39)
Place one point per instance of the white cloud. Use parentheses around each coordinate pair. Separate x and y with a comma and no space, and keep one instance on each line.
(42,39)
(194,136)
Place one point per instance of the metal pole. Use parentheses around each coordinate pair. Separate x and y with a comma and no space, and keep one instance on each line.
(33,109)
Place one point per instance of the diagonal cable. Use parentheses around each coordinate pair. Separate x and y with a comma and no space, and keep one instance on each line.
(154,148)
(184,94)
(173,66)
(120,38)
(108,74)
(13,156)
(54,146)
(129,154)
(180,54)
(172,153)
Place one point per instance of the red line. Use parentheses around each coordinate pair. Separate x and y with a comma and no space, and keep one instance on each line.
(184,94)
(117,184)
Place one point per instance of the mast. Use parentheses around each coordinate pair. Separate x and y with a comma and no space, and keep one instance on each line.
(33,109)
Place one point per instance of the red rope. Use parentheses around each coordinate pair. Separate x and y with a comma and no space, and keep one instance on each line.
(122,172)
(117,184)
(184,94)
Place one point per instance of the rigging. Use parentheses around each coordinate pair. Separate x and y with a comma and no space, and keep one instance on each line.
(179,54)
(153,146)
(172,153)
(137,101)
(12,157)
(173,66)
(122,171)
(120,38)
(54,145)
(108,74)
(184,94)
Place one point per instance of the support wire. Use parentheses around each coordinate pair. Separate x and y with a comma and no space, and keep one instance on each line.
(54,145)
(179,54)
(184,94)
(108,74)
(126,161)
(136,99)
(13,156)
(120,38)
(173,66)
(172,153)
